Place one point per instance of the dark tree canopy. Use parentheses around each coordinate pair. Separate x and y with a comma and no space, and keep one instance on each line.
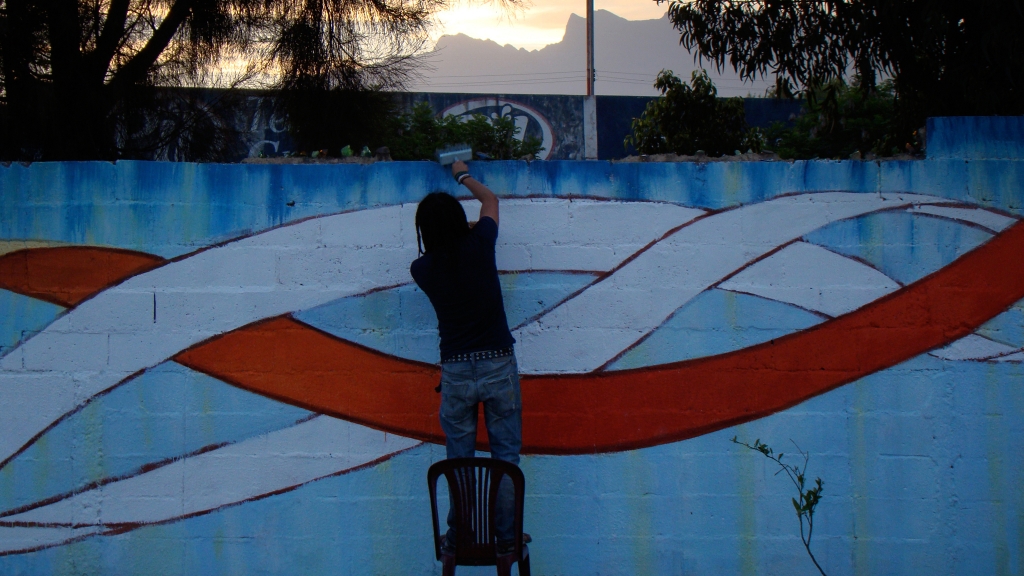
(946,57)
(67,67)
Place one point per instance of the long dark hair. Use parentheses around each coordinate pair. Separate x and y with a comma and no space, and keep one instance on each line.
(440,224)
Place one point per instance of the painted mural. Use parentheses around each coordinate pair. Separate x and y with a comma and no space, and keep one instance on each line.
(528,120)
(227,369)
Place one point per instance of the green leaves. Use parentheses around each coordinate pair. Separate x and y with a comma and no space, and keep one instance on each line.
(807,499)
(688,118)
(945,57)
(841,119)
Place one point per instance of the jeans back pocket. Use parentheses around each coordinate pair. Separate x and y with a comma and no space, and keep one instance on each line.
(503,395)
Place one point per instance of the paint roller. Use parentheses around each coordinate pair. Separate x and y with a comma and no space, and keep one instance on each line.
(452,154)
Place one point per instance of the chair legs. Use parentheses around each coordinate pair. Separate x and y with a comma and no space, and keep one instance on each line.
(524,565)
(447,565)
(505,563)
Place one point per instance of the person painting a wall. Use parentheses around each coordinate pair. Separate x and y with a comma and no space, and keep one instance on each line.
(458,273)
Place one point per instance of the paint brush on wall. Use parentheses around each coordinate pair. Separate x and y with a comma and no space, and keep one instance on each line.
(452,154)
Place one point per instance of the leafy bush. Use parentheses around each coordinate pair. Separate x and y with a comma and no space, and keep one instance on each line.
(688,118)
(417,134)
(841,119)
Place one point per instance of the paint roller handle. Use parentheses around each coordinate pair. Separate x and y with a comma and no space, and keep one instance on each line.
(488,201)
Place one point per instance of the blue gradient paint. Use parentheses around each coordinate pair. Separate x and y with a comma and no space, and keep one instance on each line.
(21,317)
(1008,327)
(171,209)
(905,247)
(715,322)
(167,412)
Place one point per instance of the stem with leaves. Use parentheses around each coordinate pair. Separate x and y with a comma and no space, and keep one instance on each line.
(808,497)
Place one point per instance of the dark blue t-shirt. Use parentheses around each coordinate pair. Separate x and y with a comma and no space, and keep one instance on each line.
(466,296)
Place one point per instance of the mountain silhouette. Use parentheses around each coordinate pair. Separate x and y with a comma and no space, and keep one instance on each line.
(628,56)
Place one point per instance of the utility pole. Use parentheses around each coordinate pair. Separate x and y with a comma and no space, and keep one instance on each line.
(590,102)
(591,73)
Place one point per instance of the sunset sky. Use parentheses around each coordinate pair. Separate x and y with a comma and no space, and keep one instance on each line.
(539,24)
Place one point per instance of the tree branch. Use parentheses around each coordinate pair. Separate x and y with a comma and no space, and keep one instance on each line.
(136,69)
(15,44)
(65,35)
(110,37)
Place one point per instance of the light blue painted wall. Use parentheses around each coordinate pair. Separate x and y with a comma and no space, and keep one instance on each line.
(923,463)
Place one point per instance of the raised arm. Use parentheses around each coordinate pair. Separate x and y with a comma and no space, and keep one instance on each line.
(488,201)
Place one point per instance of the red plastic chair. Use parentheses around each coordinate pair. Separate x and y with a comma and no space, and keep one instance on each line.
(473,488)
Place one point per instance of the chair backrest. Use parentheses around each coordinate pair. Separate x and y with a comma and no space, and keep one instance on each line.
(473,493)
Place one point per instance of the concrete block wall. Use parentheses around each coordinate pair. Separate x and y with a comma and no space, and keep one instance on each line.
(225,369)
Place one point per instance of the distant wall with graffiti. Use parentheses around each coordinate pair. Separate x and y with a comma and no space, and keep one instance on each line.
(557,120)
(232,125)
(225,369)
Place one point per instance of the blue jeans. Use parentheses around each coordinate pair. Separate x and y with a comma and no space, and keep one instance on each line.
(495,382)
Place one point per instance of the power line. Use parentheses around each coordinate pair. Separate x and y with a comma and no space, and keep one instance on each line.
(607,75)
(521,79)
(541,77)
(516,81)
(624,82)
(503,75)
(468,84)
(719,81)
(644,74)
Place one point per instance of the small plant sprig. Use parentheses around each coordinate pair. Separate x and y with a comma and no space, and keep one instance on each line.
(808,497)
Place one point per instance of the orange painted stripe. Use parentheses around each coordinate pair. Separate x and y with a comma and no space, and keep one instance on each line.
(295,363)
(67,275)
(587,413)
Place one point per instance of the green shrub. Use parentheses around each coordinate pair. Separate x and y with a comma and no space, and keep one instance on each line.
(688,118)
(840,119)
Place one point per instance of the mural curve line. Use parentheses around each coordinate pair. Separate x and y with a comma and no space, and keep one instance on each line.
(273,463)
(627,409)
(233,311)
(285,359)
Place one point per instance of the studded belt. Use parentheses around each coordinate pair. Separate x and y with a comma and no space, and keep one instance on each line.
(481,355)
